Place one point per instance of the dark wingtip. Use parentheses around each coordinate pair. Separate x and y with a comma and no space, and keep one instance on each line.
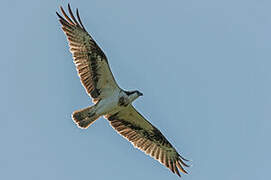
(186,165)
(65,15)
(61,8)
(79,19)
(187,160)
(178,174)
(72,16)
(58,15)
(177,171)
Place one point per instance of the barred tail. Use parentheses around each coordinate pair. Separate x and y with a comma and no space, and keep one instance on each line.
(85,117)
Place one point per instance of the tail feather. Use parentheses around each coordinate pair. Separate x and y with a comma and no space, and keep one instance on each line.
(85,117)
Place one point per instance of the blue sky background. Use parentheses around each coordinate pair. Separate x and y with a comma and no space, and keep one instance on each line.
(203,66)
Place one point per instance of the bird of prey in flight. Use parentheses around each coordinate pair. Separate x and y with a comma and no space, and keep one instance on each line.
(111,101)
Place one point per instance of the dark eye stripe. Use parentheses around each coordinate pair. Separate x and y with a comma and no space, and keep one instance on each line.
(129,92)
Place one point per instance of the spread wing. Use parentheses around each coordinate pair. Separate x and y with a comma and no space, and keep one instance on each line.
(91,63)
(143,135)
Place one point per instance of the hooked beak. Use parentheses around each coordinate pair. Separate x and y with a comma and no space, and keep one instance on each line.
(140,94)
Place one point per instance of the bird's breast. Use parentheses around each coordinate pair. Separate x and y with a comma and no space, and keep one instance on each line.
(109,104)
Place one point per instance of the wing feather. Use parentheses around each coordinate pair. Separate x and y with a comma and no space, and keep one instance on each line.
(91,62)
(143,135)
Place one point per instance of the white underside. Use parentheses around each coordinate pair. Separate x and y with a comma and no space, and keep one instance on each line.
(109,105)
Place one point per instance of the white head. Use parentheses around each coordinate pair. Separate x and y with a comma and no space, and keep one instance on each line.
(133,95)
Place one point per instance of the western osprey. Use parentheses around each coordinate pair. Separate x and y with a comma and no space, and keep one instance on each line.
(110,100)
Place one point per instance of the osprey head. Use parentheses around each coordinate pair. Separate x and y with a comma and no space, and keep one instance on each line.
(132,95)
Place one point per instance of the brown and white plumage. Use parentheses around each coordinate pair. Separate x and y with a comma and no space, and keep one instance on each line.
(143,135)
(91,63)
(111,101)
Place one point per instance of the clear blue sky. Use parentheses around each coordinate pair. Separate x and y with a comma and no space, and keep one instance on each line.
(203,66)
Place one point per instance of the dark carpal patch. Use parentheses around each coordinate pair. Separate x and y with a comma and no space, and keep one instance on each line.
(113,117)
(95,93)
(158,136)
(153,135)
(94,75)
